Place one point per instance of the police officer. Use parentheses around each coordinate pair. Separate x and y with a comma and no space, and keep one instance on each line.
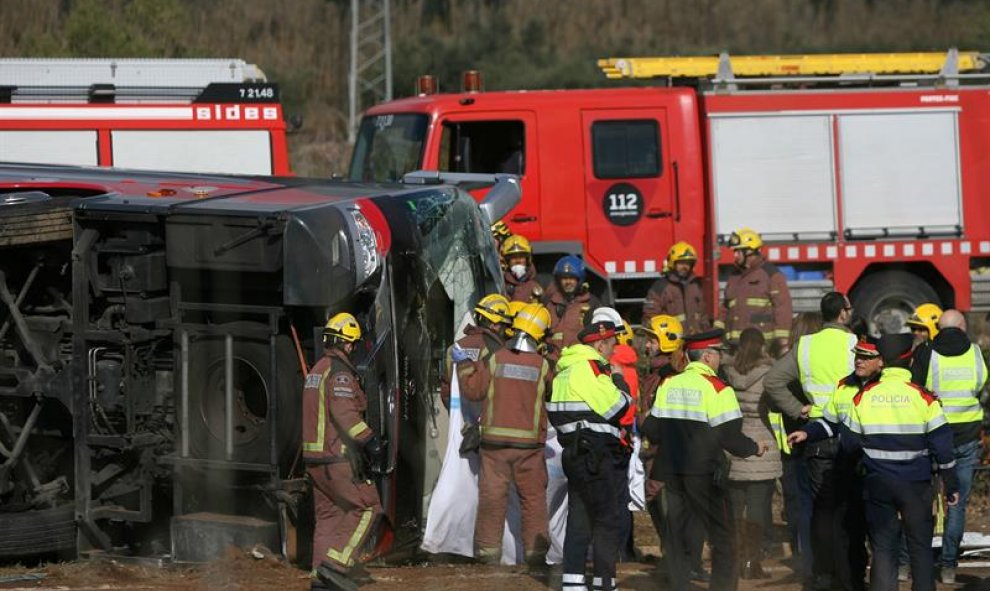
(520,274)
(480,340)
(850,549)
(694,420)
(569,302)
(585,408)
(902,432)
(336,440)
(513,435)
(818,362)
(678,291)
(756,293)
(953,368)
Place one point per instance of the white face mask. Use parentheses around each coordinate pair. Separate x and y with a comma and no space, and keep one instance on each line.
(518,270)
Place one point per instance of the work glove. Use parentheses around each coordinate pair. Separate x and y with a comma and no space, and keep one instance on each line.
(457,354)
(375,451)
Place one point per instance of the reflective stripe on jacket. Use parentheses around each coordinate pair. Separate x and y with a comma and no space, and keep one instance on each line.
(957,382)
(333,410)
(583,397)
(513,412)
(824,358)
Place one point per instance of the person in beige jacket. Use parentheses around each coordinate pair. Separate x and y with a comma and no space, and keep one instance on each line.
(751,480)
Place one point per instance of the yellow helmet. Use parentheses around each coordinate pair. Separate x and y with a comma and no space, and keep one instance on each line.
(514,307)
(681,251)
(342,326)
(532,319)
(926,316)
(500,231)
(669,332)
(516,245)
(745,238)
(624,334)
(494,307)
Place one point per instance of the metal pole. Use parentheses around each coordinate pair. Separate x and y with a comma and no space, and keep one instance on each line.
(388,49)
(228,430)
(352,76)
(184,393)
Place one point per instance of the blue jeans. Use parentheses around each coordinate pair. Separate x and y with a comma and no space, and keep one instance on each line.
(797,507)
(967,457)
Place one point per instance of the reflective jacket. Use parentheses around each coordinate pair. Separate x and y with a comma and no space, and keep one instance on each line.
(683,299)
(757,296)
(567,315)
(333,409)
(902,430)
(694,418)
(527,289)
(479,343)
(513,412)
(957,381)
(823,359)
(584,398)
(835,420)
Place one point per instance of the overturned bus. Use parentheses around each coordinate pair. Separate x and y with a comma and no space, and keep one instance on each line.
(155,330)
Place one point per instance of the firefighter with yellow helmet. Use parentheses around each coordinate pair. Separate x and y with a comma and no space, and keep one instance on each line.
(513,435)
(480,341)
(678,292)
(520,274)
(756,293)
(336,441)
(924,323)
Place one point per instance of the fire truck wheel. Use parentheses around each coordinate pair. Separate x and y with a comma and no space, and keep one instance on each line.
(39,532)
(253,387)
(887,298)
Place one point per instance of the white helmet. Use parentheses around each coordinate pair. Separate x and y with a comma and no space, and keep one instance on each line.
(606,314)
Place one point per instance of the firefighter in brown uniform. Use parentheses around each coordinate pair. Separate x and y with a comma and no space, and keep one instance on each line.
(569,302)
(678,292)
(513,436)
(487,335)
(520,274)
(756,294)
(335,435)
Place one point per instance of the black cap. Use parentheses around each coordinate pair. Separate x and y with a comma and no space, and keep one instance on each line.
(596,331)
(710,339)
(894,347)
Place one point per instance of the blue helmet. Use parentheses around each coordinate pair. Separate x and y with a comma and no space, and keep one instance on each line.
(569,266)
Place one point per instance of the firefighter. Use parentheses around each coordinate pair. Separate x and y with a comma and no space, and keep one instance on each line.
(569,302)
(481,339)
(903,434)
(513,435)
(520,274)
(849,511)
(756,294)
(664,356)
(694,418)
(678,291)
(924,323)
(956,373)
(337,444)
(585,408)
(816,365)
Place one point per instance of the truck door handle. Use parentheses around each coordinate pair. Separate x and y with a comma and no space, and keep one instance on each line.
(657,214)
(523,218)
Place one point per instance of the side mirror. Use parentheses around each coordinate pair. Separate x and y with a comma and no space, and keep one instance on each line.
(501,198)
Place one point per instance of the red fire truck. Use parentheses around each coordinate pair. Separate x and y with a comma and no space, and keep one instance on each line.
(864,173)
(202,115)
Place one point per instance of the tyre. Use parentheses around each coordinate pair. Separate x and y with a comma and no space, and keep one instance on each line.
(34,533)
(886,300)
(253,387)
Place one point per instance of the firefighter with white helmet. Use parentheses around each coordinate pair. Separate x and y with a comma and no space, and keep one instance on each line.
(513,435)
(678,292)
(520,274)
(756,294)
(336,442)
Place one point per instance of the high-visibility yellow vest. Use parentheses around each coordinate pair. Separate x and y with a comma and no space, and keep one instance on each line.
(957,382)
(824,358)
(692,396)
(583,397)
(779,432)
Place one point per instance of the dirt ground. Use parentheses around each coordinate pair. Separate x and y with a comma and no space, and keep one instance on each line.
(241,571)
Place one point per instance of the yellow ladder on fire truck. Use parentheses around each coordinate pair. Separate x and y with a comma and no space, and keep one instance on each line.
(835,64)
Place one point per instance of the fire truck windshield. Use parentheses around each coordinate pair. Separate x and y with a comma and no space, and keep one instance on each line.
(387,147)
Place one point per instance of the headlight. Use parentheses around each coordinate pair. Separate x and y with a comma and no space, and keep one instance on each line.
(366,253)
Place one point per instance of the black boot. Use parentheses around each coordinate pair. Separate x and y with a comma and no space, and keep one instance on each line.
(335,580)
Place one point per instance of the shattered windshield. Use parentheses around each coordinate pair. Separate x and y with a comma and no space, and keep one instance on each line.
(388,146)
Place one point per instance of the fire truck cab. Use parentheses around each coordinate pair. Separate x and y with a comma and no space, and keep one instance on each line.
(864,173)
(217,116)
